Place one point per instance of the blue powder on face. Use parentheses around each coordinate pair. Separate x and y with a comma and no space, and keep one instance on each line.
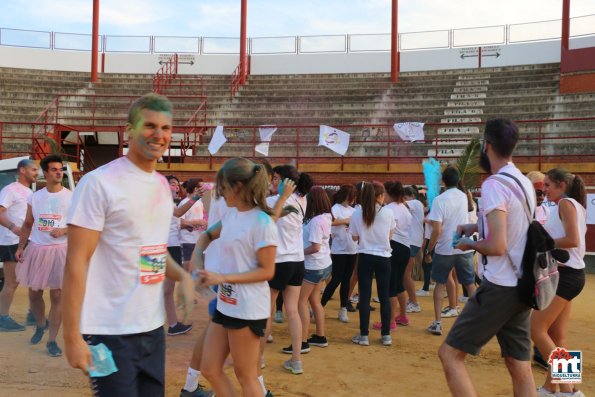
(432,177)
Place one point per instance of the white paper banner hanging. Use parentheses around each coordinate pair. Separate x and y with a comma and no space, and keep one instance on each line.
(334,139)
(410,131)
(262,148)
(217,140)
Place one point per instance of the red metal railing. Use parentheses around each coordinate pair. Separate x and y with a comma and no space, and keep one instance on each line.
(166,74)
(236,78)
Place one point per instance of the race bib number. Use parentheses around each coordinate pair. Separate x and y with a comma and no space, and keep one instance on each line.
(227,294)
(48,222)
(152,263)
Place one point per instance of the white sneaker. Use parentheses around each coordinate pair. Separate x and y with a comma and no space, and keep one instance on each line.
(262,363)
(463,299)
(432,286)
(576,393)
(449,312)
(279,316)
(413,308)
(435,328)
(422,292)
(542,392)
(343,315)
(376,299)
(270,338)
(361,340)
(387,340)
(354,299)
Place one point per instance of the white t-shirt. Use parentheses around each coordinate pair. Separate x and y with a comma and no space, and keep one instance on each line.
(496,196)
(173,236)
(450,209)
(373,240)
(428,231)
(14,198)
(342,241)
(555,228)
(49,212)
(402,221)
(217,210)
(318,231)
(196,212)
(242,235)
(416,232)
(291,246)
(542,213)
(132,209)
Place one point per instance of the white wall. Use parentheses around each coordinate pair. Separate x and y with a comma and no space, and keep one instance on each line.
(371,62)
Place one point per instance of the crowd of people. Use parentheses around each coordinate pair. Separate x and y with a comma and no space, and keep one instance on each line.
(264,243)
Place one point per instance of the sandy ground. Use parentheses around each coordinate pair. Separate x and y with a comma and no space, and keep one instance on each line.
(410,367)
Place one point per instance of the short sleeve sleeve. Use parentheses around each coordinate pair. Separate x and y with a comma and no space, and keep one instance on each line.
(265,233)
(6,197)
(30,200)
(89,204)
(493,196)
(436,213)
(354,224)
(316,230)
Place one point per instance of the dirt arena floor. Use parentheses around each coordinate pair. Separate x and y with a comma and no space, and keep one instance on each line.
(410,367)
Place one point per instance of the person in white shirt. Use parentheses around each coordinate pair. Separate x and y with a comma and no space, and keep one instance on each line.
(496,309)
(343,249)
(248,240)
(117,260)
(449,210)
(42,262)
(416,236)
(289,260)
(318,263)
(567,225)
(541,212)
(372,227)
(400,254)
(13,208)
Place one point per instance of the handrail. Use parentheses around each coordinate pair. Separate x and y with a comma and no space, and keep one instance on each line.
(166,74)
(235,81)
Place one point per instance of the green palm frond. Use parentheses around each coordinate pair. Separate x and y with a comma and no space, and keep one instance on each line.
(468,164)
(54,148)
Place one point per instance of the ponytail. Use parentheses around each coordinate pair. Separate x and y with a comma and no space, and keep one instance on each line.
(575,187)
(369,198)
(304,184)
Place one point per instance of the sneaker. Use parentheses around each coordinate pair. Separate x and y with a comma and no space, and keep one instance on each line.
(538,359)
(413,308)
(378,325)
(317,340)
(270,338)
(387,340)
(269,394)
(350,308)
(402,320)
(422,292)
(199,392)
(376,299)
(543,392)
(30,319)
(432,286)
(372,308)
(354,298)
(361,340)
(295,367)
(38,335)
(343,315)
(7,324)
(463,299)
(262,362)
(449,312)
(179,329)
(279,316)
(53,349)
(289,350)
(435,328)
(576,393)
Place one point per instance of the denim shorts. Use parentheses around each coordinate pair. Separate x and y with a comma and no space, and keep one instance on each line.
(316,276)
(213,302)
(413,250)
(463,264)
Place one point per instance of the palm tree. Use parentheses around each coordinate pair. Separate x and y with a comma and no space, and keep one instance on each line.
(468,164)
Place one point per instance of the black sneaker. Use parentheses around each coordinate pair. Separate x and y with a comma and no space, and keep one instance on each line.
(38,335)
(199,392)
(372,308)
(7,324)
(179,329)
(53,349)
(350,307)
(31,319)
(317,340)
(538,359)
(289,350)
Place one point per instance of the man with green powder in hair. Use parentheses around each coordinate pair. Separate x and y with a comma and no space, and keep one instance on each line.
(117,260)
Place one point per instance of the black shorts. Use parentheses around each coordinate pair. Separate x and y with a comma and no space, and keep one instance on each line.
(256,326)
(398,263)
(140,359)
(287,273)
(493,310)
(187,250)
(7,253)
(571,283)
(176,253)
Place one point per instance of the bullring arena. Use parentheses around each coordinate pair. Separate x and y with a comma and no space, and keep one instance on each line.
(69,93)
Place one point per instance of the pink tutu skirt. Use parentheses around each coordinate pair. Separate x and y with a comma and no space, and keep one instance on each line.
(42,266)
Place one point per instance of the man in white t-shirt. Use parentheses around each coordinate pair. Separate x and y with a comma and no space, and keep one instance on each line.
(13,208)
(117,260)
(495,309)
(448,211)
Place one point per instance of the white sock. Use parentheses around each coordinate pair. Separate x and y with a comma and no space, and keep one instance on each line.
(173,325)
(192,379)
(264,389)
